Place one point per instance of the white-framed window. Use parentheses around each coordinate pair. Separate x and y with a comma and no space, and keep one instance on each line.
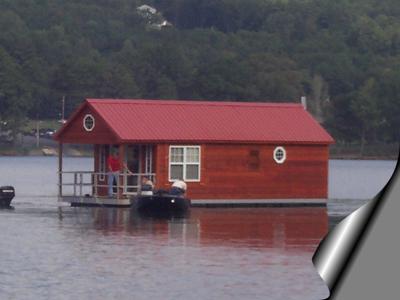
(88,122)
(184,163)
(279,155)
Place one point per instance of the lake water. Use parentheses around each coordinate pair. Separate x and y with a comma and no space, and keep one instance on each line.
(49,252)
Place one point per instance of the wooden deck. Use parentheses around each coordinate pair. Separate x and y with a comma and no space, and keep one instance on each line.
(90,201)
(95,201)
(259,203)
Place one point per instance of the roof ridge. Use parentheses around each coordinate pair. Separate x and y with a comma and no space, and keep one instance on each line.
(197,103)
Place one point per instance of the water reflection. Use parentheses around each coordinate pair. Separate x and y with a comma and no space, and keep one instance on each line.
(272,228)
(84,253)
(279,228)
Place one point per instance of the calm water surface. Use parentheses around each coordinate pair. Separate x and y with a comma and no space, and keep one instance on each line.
(49,252)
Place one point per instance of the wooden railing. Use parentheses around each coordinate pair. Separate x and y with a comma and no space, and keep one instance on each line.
(86,183)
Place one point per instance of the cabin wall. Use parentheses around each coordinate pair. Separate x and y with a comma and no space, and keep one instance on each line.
(231,171)
(76,133)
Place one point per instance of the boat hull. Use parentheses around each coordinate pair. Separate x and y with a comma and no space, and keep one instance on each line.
(160,203)
(7,193)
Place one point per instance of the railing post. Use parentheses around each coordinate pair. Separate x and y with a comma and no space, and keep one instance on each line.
(125,182)
(80,183)
(75,182)
(118,191)
(95,184)
(60,169)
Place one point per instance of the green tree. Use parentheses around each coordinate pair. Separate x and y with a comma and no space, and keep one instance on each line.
(14,97)
(367,110)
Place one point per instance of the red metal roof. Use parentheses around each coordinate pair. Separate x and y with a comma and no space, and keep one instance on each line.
(205,121)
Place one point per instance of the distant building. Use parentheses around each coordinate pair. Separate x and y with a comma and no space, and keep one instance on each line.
(159,26)
(146,10)
(154,19)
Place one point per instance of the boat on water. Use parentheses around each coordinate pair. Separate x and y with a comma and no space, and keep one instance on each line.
(160,202)
(47,151)
(7,193)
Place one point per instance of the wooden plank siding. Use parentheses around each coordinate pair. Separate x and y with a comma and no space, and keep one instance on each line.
(232,171)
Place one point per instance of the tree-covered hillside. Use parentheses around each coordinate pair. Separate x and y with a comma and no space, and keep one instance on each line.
(344,55)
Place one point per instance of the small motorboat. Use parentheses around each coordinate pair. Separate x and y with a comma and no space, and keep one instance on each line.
(160,202)
(7,193)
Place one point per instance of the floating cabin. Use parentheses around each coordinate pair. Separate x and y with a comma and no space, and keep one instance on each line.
(228,153)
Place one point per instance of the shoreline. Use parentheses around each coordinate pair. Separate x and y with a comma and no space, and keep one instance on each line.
(48,147)
(79,153)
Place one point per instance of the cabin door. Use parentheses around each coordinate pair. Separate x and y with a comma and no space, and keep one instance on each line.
(139,160)
(133,162)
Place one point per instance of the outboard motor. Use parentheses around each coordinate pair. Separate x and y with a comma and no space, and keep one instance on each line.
(7,193)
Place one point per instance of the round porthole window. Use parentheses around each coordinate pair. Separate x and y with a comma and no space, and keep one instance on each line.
(279,155)
(88,122)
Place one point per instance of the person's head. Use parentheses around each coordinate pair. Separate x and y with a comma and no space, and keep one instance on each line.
(145,179)
(114,152)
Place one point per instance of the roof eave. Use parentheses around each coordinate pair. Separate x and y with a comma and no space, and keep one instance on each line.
(206,141)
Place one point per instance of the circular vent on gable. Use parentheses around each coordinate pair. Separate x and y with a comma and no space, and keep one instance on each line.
(88,122)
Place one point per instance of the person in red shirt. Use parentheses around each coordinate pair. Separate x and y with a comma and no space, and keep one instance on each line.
(114,167)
